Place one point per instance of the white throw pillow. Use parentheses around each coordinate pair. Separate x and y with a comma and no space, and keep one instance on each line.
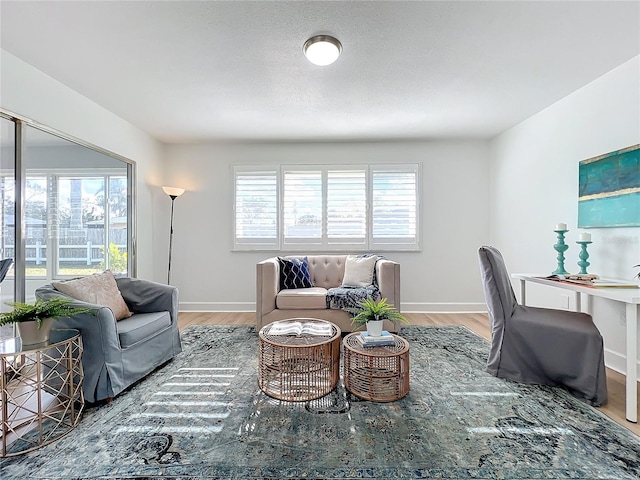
(358,271)
(99,289)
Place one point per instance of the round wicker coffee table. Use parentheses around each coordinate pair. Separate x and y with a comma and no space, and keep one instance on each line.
(298,367)
(381,373)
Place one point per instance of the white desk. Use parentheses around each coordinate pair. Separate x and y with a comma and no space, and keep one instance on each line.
(629,296)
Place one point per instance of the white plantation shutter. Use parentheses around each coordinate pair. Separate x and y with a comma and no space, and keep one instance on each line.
(350,208)
(347,207)
(256,208)
(395,207)
(302,207)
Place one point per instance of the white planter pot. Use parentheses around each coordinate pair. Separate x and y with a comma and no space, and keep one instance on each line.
(374,327)
(31,334)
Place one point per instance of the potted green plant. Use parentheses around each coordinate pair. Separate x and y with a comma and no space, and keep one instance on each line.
(373,314)
(34,321)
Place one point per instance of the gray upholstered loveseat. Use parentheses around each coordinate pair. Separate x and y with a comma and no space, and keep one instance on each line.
(327,271)
(119,353)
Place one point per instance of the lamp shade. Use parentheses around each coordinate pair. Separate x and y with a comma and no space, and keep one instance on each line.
(173,191)
(322,50)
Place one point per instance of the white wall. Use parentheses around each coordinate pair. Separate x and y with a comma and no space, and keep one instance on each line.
(28,92)
(534,186)
(442,277)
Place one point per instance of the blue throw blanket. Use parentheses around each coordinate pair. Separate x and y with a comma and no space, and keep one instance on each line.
(344,298)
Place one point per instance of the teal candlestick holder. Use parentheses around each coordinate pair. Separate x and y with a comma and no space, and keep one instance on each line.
(560,247)
(584,255)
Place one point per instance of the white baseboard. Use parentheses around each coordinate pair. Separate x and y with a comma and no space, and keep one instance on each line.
(465,307)
(618,361)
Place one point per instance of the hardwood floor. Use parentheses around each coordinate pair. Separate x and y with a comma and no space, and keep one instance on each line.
(478,323)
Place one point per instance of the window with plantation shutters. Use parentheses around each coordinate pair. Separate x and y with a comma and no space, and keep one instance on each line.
(327,208)
(347,207)
(256,209)
(302,207)
(394,206)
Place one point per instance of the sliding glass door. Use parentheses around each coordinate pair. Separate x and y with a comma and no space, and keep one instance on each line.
(66,209)
(7,212)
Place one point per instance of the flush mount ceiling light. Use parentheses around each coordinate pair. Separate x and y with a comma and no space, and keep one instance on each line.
(322,50)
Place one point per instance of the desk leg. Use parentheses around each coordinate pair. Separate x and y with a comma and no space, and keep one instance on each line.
(523,292)
(589,301)
(632,359)
(579,302)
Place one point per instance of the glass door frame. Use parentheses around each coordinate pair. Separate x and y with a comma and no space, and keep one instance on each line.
(19,266)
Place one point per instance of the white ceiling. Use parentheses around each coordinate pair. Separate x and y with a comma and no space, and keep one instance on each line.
(187,71)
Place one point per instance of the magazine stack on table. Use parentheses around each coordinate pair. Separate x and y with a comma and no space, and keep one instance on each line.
(591,280)
(386,339)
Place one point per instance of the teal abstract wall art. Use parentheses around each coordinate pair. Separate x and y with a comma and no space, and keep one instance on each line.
(609,189)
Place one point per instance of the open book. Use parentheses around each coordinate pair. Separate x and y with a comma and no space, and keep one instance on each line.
(301,328)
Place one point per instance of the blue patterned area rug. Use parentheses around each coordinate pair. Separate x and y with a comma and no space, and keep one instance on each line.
(203,416)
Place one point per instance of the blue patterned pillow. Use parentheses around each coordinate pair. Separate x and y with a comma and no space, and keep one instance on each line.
(294,273)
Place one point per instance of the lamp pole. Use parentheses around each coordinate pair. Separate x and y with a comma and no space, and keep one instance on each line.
(173,199)
(173,192)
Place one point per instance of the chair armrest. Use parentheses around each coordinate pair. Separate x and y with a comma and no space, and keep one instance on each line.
(388,276)
(145,296)
(97,326)
(267,287)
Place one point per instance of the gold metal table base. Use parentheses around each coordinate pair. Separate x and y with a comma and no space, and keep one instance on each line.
(41,395)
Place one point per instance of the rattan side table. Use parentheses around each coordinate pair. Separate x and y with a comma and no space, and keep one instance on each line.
(380,374)
(298,368)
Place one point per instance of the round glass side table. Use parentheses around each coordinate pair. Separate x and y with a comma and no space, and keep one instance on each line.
(41,395)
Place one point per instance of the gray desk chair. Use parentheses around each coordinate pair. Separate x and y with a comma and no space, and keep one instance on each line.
(540,345)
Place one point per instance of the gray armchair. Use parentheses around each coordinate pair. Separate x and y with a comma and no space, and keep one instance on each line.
(119,353)
(540,345)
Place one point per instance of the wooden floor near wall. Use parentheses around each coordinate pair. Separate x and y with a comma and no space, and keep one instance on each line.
(478,323)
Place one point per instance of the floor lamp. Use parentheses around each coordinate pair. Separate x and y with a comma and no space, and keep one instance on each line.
(173,192)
